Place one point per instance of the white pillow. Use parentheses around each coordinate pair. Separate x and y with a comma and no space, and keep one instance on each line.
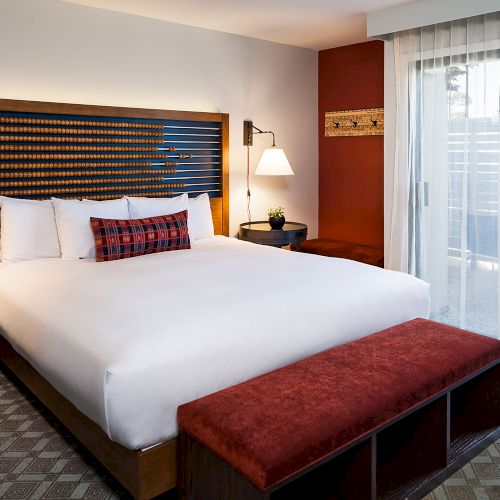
(73,224)
(200,223)
(28,230)
(140,207)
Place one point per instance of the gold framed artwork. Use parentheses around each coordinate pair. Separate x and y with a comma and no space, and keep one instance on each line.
(354,122)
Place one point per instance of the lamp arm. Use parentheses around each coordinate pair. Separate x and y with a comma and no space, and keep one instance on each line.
(259,131)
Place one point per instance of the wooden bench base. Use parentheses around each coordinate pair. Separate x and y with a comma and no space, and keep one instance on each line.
(405,458)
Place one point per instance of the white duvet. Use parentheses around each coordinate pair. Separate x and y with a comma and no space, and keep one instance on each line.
(128,341)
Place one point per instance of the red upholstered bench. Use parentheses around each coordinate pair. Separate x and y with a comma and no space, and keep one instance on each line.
(387,415)
(343,250)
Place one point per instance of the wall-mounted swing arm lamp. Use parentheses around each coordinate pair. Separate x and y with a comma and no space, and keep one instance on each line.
(249,130)
(272,162)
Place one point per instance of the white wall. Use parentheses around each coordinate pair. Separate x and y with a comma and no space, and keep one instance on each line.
(424,13)
(55,51)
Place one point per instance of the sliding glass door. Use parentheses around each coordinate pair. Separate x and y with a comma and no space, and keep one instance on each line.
(455,191)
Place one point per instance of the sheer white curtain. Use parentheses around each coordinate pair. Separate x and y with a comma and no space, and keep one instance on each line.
(444,223)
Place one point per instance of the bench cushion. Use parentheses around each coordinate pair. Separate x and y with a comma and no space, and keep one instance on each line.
(343,250)
(277,424)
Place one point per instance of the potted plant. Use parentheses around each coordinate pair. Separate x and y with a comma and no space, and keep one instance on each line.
(276,217)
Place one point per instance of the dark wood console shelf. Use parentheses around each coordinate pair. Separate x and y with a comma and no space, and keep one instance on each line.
(405,458)
(461,452)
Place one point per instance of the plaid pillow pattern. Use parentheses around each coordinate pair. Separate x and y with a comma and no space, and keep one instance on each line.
(120,239)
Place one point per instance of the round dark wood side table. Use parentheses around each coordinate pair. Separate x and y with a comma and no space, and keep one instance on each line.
(261,232)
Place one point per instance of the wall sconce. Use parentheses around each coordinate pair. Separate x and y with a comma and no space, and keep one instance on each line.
(272,162)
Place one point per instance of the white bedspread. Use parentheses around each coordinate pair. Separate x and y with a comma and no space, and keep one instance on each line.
(129,341)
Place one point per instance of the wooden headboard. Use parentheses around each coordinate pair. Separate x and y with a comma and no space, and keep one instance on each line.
(102,152)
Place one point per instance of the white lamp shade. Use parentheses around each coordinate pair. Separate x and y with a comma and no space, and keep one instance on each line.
(273,162)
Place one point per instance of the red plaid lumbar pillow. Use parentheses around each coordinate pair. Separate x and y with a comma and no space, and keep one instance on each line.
(119,239)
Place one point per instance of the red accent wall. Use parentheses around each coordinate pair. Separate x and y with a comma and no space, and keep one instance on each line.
(351,169)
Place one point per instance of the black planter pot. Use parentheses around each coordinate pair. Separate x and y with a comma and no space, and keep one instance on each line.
(277,222)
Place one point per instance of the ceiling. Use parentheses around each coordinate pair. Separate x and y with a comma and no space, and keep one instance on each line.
(314,24)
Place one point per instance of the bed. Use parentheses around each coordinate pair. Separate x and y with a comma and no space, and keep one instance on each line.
(113,349)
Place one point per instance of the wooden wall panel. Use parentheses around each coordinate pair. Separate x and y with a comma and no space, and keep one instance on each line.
(351,169)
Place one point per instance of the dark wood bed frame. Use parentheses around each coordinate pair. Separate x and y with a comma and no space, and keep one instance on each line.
(145,474)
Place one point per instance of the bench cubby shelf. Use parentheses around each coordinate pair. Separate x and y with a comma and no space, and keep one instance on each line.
(405,458)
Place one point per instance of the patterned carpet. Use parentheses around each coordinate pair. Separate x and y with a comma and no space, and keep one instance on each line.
(40,459)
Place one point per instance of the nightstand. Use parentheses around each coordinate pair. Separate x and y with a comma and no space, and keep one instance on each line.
(260,232)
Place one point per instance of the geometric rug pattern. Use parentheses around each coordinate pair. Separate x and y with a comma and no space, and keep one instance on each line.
(479,479)
(39,459)
(38,456)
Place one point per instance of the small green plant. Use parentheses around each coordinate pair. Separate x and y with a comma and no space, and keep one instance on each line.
(276,212)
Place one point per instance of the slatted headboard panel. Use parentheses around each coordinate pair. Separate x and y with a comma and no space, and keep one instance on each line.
(101,152)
